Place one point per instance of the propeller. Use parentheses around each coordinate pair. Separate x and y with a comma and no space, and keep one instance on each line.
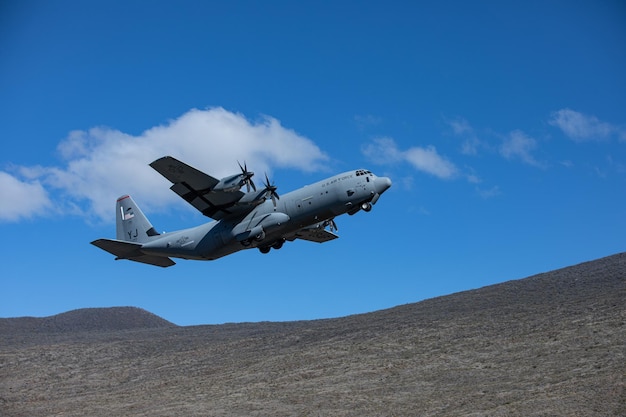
(270,190)
(247,176)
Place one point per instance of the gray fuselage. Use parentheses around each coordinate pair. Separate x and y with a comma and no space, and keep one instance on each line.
(269,225)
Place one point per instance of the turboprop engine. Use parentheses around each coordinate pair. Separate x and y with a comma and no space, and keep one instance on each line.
(254,229)
(235,182)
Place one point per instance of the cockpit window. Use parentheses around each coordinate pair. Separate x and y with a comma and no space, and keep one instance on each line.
(360,172)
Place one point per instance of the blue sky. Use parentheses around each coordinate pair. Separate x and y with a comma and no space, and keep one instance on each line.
(502,126)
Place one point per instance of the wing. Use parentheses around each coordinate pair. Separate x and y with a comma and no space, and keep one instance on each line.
(196,188)
(132,252)
(313,234)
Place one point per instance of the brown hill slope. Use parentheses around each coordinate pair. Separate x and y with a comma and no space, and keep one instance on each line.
(552,344)
(86,319)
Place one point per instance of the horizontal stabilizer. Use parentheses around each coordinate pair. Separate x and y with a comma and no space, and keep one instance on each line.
(132,252)
(161,261)
(119,248)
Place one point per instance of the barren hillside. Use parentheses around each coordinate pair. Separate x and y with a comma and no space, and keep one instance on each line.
(552,344)
(86,319)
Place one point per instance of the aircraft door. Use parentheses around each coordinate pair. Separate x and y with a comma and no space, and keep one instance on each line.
(302,208)
(302,205)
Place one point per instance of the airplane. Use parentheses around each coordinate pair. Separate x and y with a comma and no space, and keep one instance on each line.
(256,218)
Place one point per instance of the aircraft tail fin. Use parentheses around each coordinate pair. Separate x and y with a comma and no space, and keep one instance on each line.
(132,225)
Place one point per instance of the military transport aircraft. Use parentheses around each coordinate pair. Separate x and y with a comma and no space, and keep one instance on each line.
(242,220)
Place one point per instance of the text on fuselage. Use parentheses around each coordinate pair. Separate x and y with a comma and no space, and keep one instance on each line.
(336,180)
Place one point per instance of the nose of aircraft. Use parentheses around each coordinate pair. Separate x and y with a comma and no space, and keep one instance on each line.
(382,184)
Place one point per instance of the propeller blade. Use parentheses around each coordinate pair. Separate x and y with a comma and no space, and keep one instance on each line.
(247,176)
(270,190)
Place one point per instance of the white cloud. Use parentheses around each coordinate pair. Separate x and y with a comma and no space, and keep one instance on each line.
(471,176)
(471,143)
(518,145)
(365,121)
(581,127)
(385,151)
(428,160)
(489,192)
(460,126)
(21,199)
(101,164)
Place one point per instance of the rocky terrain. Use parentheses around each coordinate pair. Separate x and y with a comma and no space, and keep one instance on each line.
(550,345)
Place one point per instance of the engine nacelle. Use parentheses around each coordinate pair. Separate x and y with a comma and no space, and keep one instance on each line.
(274,219)
(252,199)
(256,233)
(255,228)
(230,184)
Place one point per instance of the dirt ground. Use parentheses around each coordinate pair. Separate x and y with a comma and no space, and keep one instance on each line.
(550,345)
